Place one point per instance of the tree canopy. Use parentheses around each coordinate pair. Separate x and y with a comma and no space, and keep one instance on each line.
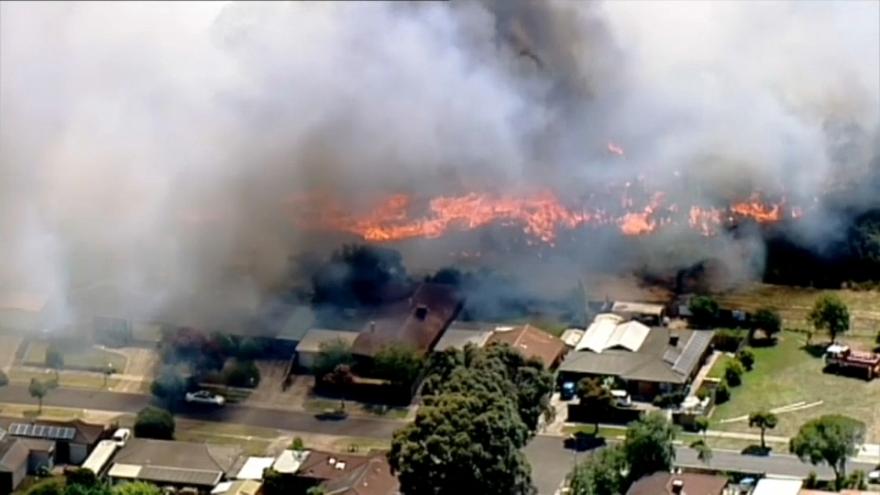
(765,420)
(829,313)
(768,320)
(356,275)
(704,310)
(481,406)
(648,445)
(152,422)
(603,473)
(463,444)
(330,355)
(398,364)
(595,397)
(829,439)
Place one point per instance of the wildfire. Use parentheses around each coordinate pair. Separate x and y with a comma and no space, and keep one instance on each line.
(541,215)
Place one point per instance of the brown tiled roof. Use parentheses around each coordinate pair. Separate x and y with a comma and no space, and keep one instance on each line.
(694,484)
(532,342)
(430,310)
(360,475)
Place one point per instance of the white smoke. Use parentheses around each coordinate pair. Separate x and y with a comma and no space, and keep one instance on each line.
(155,144)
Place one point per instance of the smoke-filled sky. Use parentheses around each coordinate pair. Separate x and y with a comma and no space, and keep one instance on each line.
(154,145)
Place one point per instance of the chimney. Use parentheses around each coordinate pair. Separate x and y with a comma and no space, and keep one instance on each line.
(421,312)
(678,486)
(673,339)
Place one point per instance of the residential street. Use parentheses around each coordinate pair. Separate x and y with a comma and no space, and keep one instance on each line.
(268,418)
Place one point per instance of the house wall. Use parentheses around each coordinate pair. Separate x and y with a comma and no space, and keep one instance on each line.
(78,453)
(38,460)
(306,360)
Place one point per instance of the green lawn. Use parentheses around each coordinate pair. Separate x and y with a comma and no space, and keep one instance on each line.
(717,370)
(84,358)
(77,380)
(786,374)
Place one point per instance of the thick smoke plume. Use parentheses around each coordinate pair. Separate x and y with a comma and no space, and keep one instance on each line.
(157,146)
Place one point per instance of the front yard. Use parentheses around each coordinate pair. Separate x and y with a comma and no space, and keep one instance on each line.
(785,375)
(81,358)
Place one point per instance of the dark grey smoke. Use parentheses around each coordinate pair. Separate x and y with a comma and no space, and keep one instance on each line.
(156,145)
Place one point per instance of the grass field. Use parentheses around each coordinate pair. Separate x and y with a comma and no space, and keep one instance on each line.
(786,374)
(84,358)
(717,370)
(253,440)
(78,380)
(793,304)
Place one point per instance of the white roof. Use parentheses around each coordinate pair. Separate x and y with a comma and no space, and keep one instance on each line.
(124,470)
(572,336)
(253,468)
(637,307)
(836,348)
(608,331)
(289,461)
(100,456)
(778,486)
(221,488)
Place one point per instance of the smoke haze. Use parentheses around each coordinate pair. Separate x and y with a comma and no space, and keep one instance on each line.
(157,145)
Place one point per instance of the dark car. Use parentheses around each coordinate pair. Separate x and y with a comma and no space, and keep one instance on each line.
(581,441)
(332,415)
(567,391)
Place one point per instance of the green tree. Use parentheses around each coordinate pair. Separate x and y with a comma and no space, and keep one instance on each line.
(722,392)
(733,373)
(52,486)
(275,483)
(330,355)
(398,364)
(297,444)
(765,420)
(829,439)
(830,314)
(136,488)
(463,444)
(768,320)
(38,390)
(241,374)
(648,445)
(704,311)
(54,359)
(595,398)
(152,422)
(340,379)
(747,358)
(704,452)
(603,473)
(169,386)
(81,476)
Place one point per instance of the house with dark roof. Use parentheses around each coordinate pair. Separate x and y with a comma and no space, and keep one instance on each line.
(338,474)
(418,324)
(532,342)
(662,483)
(73,440)
(650,360)
(196,466)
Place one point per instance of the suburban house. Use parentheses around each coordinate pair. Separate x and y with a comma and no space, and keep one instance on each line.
(650,361)
(647,313)
(308,348)
(20,457)
(195,466)
(778,486)
(72,440)
(418,324)
(339,474)
(532,342)
(663,483)
(238,487)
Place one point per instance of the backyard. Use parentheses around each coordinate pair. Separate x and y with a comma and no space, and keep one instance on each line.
(788,375)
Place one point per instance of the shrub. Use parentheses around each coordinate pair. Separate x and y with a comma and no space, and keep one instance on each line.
(722,392)
(729,340)
(153,422)
(812,480)
(768,320)
(858,480)
(703,392)
(733,373)
(242,374)
(704,310)
(747,358)
(669,399)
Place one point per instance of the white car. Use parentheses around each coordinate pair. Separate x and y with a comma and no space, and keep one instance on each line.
(205,397)
(121,436)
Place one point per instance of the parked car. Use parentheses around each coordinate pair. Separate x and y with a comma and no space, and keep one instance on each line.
(205,397)
(121,436)
(581,440)
(621,398)
(332,415)
(874,476)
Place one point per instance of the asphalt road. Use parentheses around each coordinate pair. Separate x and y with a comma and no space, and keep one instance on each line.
(232,413)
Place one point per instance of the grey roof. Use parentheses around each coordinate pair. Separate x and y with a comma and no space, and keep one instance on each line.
(13,453)
(181,455)
(180,476)
(457,338)
(655,361)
